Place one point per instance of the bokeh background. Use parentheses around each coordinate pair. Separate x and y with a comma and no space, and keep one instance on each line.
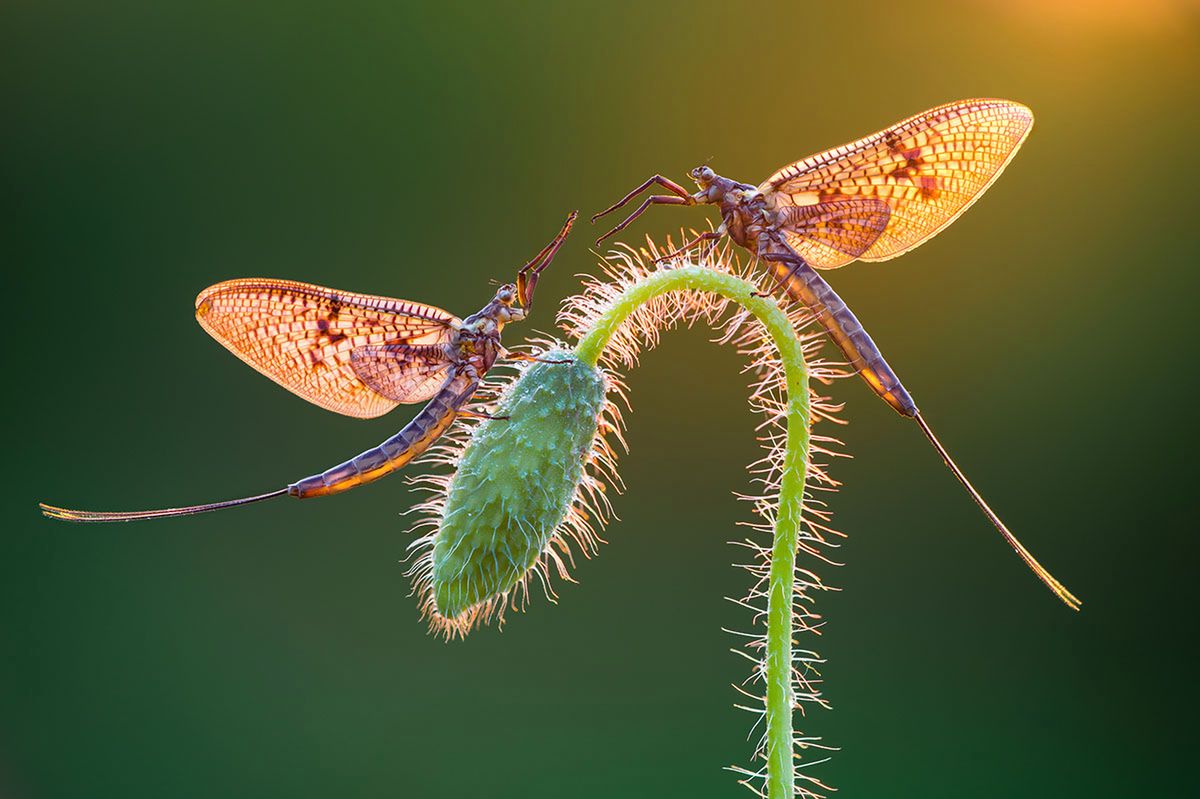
(150,149)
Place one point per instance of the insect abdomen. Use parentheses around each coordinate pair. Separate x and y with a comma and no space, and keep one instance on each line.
(848,334)
(415,438)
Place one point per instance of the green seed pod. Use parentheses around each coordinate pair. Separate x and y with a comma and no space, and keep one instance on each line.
(515,483)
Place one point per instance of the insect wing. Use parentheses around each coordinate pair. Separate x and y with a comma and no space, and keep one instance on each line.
(400,372)
(836,232)
(302,336)
(928,169)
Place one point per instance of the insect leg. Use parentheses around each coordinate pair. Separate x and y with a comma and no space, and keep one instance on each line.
(524,356)
(480,415)
(654,199)
(785,256)
(711,235)
(666,183)
(527,277)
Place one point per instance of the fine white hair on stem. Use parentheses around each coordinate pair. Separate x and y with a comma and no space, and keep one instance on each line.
(624,267)
(622,270)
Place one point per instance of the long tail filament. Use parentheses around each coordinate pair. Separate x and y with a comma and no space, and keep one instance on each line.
(1045,576)
(86,516)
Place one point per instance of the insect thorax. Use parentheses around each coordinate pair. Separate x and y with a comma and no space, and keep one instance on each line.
(744,218)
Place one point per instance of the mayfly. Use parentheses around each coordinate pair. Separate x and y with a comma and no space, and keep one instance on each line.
(869,200)
(356,355)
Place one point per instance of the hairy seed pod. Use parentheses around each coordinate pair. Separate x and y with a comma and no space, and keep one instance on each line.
(516,482)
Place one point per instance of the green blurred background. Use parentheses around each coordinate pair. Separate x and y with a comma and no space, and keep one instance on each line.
(150,149)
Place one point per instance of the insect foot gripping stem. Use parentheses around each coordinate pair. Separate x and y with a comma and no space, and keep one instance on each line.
(517,491)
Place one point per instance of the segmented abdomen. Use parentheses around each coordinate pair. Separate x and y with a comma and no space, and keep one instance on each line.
(807,286)
(416,437)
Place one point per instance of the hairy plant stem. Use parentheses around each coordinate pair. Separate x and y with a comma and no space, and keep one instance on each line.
(778,661)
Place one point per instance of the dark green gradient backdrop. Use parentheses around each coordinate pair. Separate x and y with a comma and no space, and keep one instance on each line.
(150,149)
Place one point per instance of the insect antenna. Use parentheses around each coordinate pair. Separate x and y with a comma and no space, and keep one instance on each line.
(1043,574)
(87,516)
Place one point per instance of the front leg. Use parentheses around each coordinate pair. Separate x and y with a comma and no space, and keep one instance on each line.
(654,199)
(666,183)
(527,277)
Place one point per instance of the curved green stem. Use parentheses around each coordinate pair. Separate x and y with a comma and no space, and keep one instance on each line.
(779,697)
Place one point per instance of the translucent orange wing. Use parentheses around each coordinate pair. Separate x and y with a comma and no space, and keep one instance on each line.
(834,232)
(928,169)
(400,372)
(302,336)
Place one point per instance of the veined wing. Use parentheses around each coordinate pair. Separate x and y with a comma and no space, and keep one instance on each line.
(928,169)
(401,372)
(834,232)
(302,336)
